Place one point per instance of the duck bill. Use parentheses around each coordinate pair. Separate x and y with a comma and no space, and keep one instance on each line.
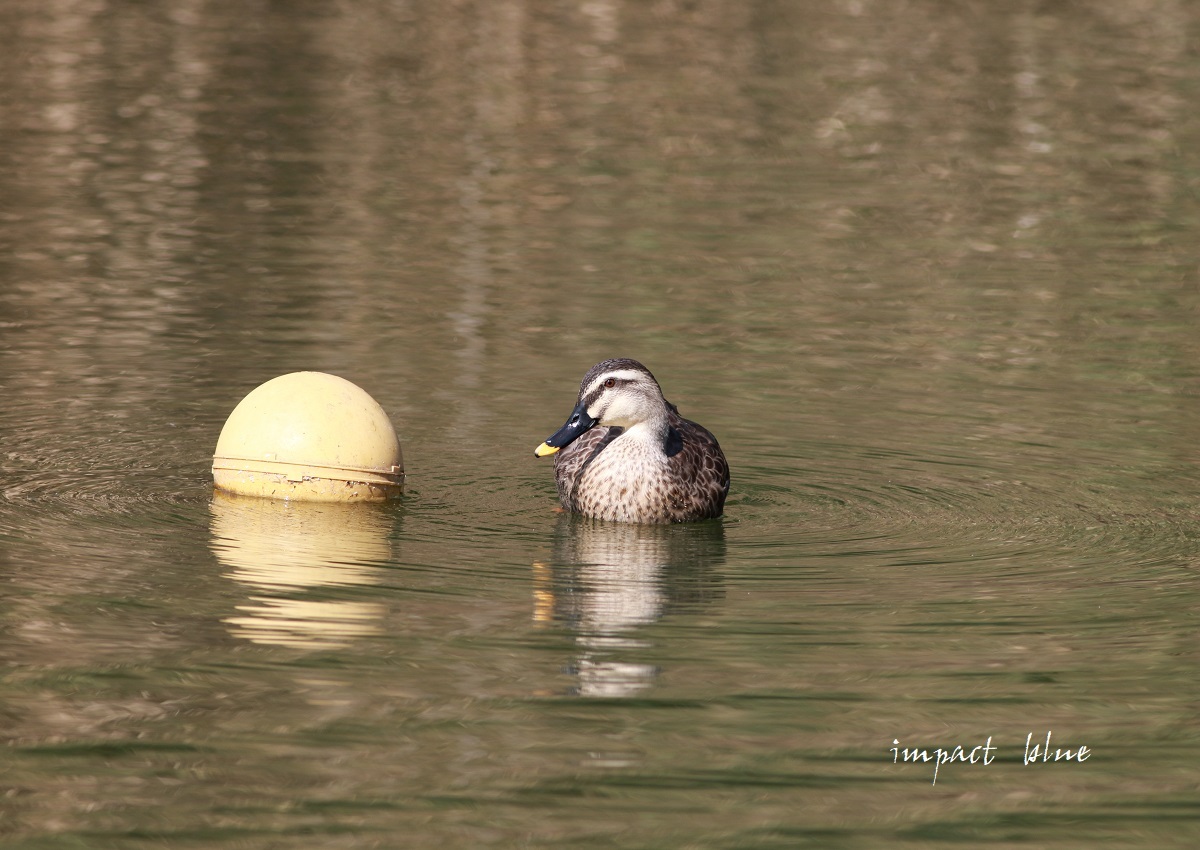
(578,423)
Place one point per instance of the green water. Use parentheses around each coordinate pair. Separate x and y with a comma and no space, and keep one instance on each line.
(927,270)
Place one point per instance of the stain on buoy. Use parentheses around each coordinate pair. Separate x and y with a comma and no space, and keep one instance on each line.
(309,436)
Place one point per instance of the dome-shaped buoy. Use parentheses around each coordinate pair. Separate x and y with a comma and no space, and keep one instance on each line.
(312,437)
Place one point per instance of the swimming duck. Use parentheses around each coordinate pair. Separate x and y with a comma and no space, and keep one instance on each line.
(626,454)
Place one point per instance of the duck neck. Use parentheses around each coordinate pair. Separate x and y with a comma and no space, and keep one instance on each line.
(649,433)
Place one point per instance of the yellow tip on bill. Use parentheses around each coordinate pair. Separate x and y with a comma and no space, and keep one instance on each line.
(544,449)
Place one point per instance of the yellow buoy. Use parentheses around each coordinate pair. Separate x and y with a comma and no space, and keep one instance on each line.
(312,437)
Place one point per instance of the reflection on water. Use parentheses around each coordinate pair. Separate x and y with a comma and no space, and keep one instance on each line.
(285,553)
(606,579)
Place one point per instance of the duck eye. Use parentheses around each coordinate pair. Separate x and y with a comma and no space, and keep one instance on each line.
(610,383)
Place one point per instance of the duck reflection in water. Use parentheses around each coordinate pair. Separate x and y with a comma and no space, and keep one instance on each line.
(607,579)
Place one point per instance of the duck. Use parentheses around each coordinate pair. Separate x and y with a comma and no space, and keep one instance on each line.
(626,454)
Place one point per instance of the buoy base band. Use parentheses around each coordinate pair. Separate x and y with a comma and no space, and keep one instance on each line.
(300,471)
(306,482)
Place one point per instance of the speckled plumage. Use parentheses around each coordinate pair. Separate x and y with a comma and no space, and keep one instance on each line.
(640,461)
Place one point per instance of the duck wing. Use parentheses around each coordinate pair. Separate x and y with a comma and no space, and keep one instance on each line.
(700,471)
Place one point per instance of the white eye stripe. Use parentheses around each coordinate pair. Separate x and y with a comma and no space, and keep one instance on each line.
(620,375)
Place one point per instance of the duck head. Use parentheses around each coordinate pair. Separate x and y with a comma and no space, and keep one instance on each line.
(614,393)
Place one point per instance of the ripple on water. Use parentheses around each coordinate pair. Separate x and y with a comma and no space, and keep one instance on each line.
(898,508)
